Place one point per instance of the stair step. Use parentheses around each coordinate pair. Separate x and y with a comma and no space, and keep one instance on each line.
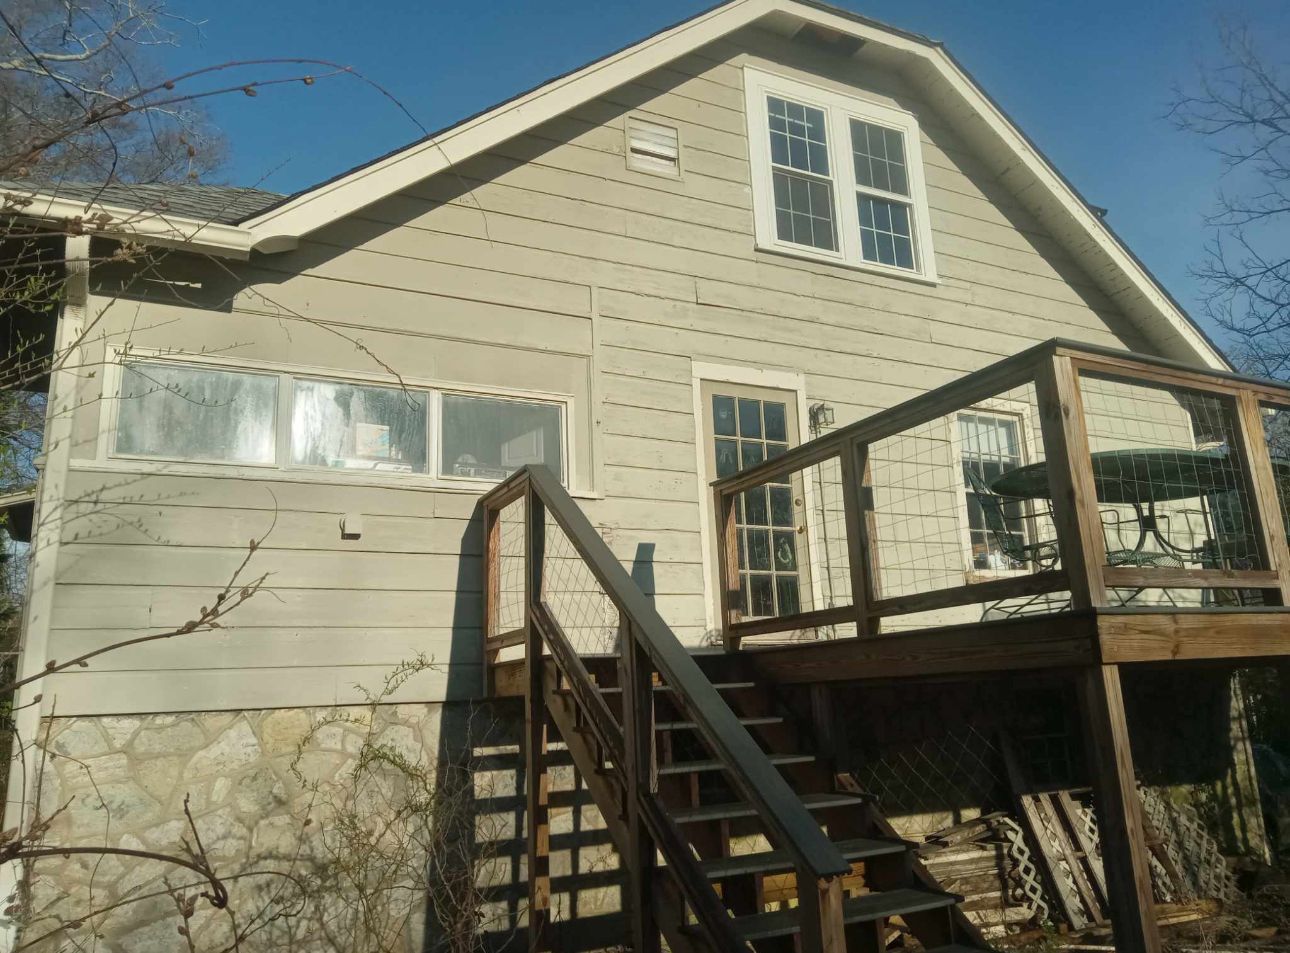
(777,861)
(690,726)
(871,906)
(719,686)
(736,809)
(695,767)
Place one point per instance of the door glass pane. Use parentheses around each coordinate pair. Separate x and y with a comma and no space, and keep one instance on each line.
(723,416)
(727,457)
(781,505)
(334,424)
(776,425)
(486,438)
(179,412)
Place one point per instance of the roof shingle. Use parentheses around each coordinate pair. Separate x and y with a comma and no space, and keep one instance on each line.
(224,204)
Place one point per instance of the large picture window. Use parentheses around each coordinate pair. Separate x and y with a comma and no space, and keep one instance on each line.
(335,424)
(181,412)
(184,412)
(837,177)
(488,439)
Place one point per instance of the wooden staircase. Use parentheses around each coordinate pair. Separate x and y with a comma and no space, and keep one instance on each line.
(888,897)
(734,832)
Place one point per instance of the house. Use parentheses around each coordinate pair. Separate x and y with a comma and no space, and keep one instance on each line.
(757,229)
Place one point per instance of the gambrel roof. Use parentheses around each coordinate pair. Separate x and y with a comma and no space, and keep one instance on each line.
(924,63)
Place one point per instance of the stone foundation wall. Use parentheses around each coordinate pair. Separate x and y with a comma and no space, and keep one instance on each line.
(286,791)
(123,782)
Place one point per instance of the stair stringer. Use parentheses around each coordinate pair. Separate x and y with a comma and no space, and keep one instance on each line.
(670,912)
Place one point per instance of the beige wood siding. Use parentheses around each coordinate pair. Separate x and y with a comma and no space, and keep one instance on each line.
(546,264)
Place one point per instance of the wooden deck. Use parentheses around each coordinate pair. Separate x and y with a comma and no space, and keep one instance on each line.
(868,517)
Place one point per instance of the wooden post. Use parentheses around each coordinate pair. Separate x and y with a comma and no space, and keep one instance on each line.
(1261,487)
(820,909)
(1119,812)
(1070,479)
(858,509)
(727,567)
(538,798)
(636,677)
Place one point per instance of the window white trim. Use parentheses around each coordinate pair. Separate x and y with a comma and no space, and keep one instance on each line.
(107,458)
(838,110)
(773,379)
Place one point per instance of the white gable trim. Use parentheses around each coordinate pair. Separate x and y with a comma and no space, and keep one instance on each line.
(349,193)
(926,64)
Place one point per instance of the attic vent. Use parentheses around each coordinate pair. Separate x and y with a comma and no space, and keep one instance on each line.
(653,148)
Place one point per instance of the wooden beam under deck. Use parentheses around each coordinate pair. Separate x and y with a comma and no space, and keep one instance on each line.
(1069,640)
(1039,642)
(1137,635)
(1064,641)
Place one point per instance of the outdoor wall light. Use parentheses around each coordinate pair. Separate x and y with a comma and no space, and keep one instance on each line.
(820,416)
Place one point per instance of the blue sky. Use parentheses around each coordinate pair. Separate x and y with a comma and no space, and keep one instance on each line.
(1090,82)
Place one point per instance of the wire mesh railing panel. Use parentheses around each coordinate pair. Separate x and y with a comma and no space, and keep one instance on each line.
(1276,434)
(826,533)
(962,499)
(575,597)
(792,549)
(506,600)
(1171,484)
(917,534)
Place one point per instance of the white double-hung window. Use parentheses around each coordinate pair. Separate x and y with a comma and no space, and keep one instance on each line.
(837,178)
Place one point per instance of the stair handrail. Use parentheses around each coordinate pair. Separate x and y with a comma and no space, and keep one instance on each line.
(751,772)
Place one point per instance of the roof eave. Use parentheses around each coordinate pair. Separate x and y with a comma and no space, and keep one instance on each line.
(145,226)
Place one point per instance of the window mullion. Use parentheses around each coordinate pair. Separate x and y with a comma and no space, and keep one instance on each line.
(282,436)
(434,434)
(845,181)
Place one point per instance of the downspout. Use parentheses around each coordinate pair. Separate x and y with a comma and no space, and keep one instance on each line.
(51,500)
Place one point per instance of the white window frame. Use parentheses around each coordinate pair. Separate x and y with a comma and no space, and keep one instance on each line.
(436,436)
(1012,410)
(117,377)
(838,110)
(107,457)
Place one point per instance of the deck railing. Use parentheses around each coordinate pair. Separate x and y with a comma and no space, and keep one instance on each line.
(1064,477)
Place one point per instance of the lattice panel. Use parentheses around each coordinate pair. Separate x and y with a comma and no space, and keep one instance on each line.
(1194,853)
(1028,887)
(958,768)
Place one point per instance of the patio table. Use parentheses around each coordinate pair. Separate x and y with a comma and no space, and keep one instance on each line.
(1146,476)
(1140,476)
